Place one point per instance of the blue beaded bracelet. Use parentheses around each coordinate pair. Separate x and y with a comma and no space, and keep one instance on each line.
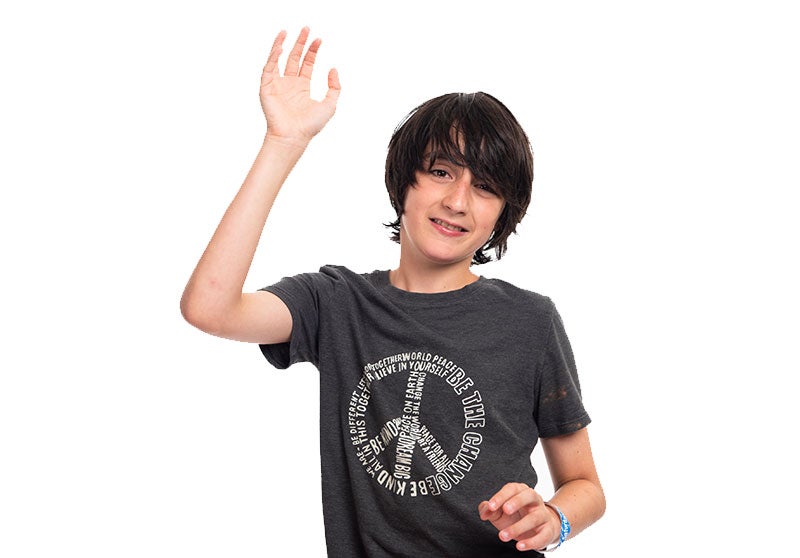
(565,528)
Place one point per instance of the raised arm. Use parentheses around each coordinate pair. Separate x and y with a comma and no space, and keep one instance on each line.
(213,300)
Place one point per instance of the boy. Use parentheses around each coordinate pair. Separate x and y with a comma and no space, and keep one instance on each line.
(435,383)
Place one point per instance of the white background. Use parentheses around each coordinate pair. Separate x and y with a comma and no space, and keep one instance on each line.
(663,225)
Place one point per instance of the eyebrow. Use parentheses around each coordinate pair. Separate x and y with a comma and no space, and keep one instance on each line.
(432,156)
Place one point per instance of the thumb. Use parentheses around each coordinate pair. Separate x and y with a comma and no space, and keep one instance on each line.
(334,87)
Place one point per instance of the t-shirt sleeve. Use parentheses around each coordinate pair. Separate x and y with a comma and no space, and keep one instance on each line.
(305,295)
(559,407)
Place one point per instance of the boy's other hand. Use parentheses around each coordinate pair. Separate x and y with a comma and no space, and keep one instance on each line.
(518,513)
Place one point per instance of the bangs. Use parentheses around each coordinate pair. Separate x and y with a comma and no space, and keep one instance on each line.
(464,134)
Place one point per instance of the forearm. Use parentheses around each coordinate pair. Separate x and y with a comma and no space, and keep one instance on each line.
(581,501)
(218,279)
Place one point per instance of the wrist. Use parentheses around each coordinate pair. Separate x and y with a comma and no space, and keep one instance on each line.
(288,143)
(561,525)
(555,521)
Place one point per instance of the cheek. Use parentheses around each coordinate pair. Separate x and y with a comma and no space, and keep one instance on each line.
(491,217)
(412,202)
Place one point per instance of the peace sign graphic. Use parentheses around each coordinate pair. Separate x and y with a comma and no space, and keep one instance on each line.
(396,452)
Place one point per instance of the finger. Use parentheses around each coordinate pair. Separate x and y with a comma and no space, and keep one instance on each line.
(504,494)
(309,58)
(528,526)
(274,54)
(526,498)
(487,514)
(535,542)
(334,88)
(293,62)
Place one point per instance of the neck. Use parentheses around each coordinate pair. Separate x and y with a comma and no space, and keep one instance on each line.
(431,279)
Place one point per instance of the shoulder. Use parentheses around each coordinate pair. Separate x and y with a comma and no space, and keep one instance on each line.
(522,313)
(509,294)
(330,282)
(343,276)
(327,275)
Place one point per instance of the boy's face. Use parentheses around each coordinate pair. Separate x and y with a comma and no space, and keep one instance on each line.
(448,215)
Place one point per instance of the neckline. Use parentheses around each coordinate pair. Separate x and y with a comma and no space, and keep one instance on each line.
(426,299)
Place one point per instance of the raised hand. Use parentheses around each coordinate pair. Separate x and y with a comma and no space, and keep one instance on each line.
(292,115)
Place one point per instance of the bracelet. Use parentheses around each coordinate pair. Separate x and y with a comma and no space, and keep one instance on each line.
(565,528)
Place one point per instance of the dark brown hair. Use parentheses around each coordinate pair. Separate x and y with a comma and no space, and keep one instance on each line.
(474,130)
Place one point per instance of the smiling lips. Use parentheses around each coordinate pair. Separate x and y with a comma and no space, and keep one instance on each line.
(448,226)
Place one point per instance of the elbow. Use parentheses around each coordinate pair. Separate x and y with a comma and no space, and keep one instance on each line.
(198,314)
(598,499)
(188,311)
(601,501)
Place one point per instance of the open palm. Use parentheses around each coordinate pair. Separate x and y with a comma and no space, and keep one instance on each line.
(292,115)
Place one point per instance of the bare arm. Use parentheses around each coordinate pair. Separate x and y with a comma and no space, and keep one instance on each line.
(518,512)
(213,300)
(578,492)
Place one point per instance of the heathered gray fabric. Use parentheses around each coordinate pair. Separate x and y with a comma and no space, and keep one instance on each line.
(429,404)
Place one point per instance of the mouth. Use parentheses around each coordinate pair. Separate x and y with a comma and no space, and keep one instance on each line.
(448,226)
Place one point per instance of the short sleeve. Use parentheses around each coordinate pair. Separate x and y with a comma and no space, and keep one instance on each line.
(305,295)
(559,407)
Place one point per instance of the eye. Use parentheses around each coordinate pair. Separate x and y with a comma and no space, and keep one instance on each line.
(486,188)
(439,173)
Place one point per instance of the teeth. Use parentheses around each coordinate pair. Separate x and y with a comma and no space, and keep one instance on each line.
(448,225)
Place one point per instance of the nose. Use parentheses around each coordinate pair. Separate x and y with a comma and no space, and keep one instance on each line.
(457,197)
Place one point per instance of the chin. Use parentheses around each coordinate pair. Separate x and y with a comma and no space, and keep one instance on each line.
(449,259)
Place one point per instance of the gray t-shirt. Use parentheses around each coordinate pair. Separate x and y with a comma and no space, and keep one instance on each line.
(429,404)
